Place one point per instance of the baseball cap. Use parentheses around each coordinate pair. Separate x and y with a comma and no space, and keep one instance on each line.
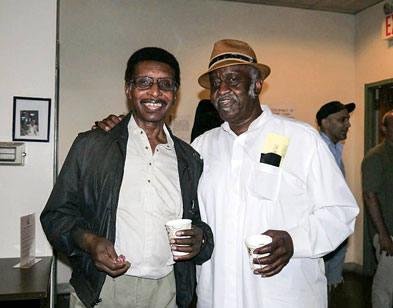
(333,107)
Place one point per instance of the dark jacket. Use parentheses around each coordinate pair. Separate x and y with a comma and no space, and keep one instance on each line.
(85,198)
(206,118)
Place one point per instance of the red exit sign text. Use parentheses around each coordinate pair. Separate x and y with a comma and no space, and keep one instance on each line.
(387,29)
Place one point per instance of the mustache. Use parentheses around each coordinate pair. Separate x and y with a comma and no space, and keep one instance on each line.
(227,95)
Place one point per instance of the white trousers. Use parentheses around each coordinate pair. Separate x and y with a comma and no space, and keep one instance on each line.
(382,289)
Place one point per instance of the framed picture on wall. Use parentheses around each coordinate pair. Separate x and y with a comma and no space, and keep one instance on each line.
(31,119)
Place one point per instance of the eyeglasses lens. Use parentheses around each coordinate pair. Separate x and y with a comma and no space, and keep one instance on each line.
(144,83)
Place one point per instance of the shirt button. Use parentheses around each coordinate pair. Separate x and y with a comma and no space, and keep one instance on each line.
(148,181)
(146,148)
(149,164)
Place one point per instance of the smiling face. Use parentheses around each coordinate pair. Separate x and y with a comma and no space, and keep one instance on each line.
(235,96)
(336,125)
(150,106)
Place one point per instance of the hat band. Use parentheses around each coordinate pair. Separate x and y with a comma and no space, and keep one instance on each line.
(231,56)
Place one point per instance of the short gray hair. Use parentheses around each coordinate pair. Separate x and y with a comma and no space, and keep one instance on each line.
(254,74)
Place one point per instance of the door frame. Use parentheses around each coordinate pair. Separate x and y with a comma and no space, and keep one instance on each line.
(371,127)
(370,117)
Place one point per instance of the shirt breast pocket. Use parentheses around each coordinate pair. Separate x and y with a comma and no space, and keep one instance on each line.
(264,181)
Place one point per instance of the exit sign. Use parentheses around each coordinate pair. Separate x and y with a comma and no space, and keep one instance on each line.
(387,28)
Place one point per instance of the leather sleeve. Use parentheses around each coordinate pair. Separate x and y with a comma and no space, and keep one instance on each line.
(62,219)
(208,240)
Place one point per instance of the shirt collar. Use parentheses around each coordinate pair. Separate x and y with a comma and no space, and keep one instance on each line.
(135,129)
(263,117)
(338,146)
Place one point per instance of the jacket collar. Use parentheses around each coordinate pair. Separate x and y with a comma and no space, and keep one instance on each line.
(120,135)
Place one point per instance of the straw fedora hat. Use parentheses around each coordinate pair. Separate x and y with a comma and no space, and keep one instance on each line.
(232,52)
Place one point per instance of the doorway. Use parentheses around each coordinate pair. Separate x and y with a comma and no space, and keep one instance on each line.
(378,100)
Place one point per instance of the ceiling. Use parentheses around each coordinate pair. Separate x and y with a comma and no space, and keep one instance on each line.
(340,6)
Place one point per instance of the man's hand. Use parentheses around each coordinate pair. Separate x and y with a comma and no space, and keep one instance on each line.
(108,123)
(281,251)
(386,244)
(374,210)
(193,242)
(104,256)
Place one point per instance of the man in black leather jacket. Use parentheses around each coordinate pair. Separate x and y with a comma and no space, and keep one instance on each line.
(79,218)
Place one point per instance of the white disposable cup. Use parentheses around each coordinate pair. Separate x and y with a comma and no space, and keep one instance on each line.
(175,225)
(253,242)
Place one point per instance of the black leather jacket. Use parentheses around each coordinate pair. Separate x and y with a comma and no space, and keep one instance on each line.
(85,197)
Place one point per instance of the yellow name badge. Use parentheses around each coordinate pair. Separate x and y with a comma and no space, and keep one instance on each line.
(276,144)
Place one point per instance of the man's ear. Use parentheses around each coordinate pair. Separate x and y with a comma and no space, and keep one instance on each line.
(384,130)
(127,90)
(258,86)
(324,124)
(174,97)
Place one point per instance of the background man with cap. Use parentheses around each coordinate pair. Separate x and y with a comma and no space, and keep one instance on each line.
(377,181)
(300,200)
(333,120)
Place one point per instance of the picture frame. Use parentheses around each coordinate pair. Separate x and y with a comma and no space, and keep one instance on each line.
(31,119)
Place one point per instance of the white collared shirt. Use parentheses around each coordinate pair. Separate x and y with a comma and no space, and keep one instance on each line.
(149,196)
(307,196)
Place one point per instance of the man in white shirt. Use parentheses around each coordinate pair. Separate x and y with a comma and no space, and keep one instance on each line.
(301,200)
(264,174)
(333,120)
(115,192)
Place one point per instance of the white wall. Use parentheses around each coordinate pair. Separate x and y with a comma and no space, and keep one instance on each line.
(311,53)
(27,66)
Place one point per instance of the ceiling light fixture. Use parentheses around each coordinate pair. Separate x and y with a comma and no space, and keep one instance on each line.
(388,8)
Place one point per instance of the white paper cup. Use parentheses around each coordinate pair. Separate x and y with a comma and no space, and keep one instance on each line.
(253,242)
(172,227)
